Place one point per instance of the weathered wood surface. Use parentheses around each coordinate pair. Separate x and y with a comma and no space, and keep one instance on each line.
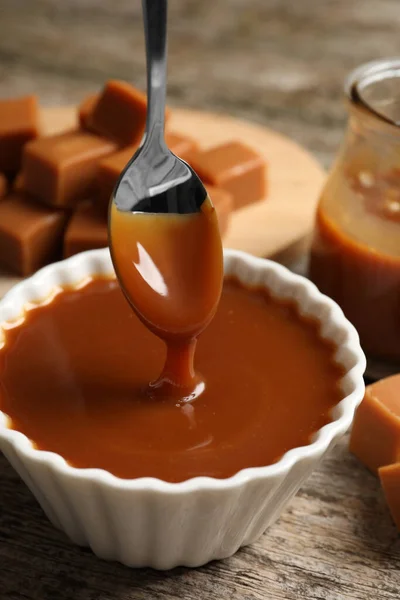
(286,64)
(278,62)
(335,542)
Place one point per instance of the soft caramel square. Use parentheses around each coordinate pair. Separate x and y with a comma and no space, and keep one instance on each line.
(181,145)
(375,437)
(223,203)
(61,170)
(30,233)
(390,480)
(109,170)
(86,108)
(87,229)
(235,168)
(119,113)
(19,123)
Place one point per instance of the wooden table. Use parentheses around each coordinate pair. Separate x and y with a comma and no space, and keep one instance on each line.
(287,61)
(335,541)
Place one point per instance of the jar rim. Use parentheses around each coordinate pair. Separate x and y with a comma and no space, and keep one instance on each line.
(367,74)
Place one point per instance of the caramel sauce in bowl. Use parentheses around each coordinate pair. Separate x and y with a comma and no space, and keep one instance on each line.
(154,523)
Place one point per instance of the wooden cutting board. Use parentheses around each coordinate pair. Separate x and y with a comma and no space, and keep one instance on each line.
(278,227)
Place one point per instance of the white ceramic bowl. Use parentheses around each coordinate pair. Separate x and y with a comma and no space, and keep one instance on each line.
(148,522)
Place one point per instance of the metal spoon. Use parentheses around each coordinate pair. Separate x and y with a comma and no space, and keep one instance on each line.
(164,235)
(156,180)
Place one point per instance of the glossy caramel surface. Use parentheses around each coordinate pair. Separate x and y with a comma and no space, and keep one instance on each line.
(170,267)
(74,375)
(363,280)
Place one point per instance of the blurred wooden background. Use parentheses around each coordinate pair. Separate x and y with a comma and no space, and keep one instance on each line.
(278,62)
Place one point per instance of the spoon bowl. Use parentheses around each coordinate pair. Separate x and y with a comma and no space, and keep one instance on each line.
(156,181)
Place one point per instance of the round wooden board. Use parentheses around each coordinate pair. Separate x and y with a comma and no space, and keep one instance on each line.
(277,227)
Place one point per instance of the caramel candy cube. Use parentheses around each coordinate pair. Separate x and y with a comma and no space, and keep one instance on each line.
(30,233)
(19,123)
(182,146)
(223,204)
(110,169)
(235,168)
(3,185)
(87,229)
(375,437)
(390,480)
(119,113)
(86,108)
(61,170)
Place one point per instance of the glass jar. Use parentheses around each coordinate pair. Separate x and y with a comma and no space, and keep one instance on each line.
(355,254)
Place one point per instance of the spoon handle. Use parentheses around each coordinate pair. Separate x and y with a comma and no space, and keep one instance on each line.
(155,26)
